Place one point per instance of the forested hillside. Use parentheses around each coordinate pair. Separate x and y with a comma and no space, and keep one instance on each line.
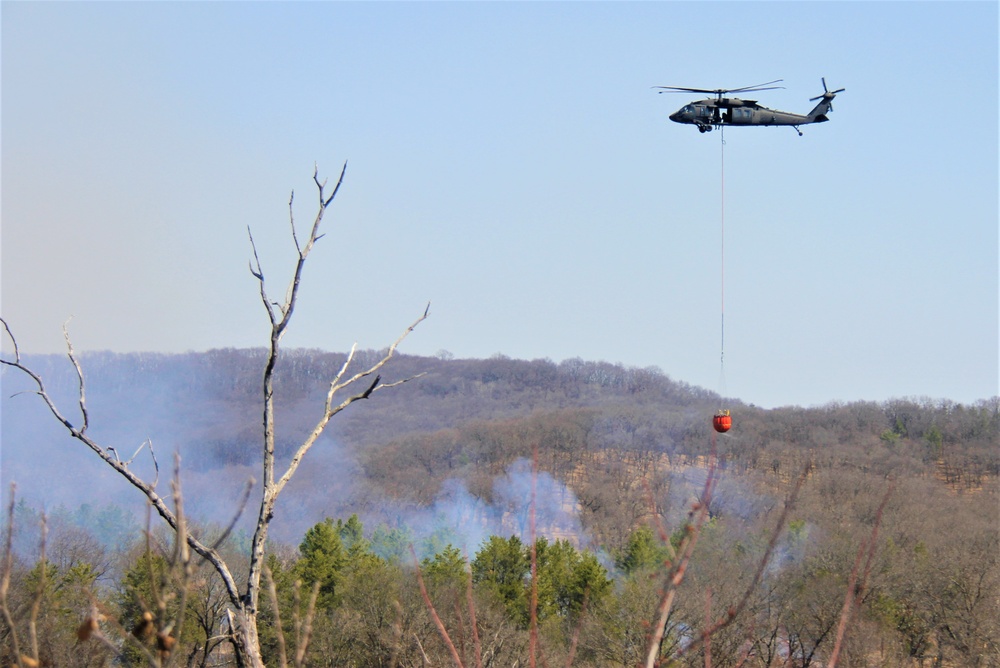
(468,461)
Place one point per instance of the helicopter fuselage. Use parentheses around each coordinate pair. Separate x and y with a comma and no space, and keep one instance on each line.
(721,111)
(707,114)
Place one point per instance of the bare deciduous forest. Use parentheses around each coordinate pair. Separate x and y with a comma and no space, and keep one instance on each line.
(604,465)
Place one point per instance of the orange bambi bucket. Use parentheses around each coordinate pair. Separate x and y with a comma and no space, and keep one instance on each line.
(722,422)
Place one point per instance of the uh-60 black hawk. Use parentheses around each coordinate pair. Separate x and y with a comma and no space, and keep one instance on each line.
(723,111)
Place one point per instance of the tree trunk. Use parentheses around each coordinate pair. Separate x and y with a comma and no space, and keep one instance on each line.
(246,643)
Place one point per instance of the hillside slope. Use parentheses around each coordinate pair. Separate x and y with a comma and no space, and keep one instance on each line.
(611,438)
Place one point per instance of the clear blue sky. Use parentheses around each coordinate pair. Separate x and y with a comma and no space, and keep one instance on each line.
(510,163)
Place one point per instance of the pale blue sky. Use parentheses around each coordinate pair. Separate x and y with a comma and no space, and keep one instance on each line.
(510,163)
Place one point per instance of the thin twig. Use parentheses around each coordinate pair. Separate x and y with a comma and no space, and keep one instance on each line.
(291,221)
(258,273)
(734,611)
(8,566)
(472,617)
(434,615)
(855,589)
(303,628)
(576,631)
(10,335)
(180,568)
(239,512)
(533,612)
(279,633)
(79,375)
(36,602)
(675,575)
(708,620)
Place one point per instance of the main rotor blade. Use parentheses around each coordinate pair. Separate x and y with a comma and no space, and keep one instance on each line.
(753,90)
(721,91)
(678,89)
(759,86)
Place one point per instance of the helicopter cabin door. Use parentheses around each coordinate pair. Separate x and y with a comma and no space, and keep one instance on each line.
(742,116)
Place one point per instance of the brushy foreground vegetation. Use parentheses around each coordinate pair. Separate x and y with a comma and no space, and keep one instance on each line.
(895,520)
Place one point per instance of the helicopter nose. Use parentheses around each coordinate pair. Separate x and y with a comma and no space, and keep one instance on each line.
(676,117)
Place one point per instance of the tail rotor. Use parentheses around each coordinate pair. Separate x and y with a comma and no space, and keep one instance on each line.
(828,94)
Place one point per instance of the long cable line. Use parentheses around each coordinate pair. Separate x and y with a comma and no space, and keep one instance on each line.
(722,421)
(722,262)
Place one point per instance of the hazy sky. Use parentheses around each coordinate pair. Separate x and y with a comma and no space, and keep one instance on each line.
(510,163)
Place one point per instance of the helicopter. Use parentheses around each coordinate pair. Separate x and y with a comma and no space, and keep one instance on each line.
(721,111)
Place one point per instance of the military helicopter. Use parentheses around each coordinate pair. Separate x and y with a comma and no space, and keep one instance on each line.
(721,111)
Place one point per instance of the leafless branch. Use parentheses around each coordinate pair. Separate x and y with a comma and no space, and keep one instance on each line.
(258,273)
(148,443)
(180,566)
(303,627)
(321,186)
(734,611)
(291,219)
(110,457)
(675,574)
(423,654)
(79,375)
(10,335)
(707,638)
(8,567)
(331,410)
(576,631)
(477,647)
(533,612)
(856,588)
(339,384)
(434,615)
(239,513)
(36,602)
(272,594)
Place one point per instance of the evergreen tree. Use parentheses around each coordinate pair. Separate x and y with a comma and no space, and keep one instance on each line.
(393,544)
(323,558)
(643,552)
(447,567)
(502,568)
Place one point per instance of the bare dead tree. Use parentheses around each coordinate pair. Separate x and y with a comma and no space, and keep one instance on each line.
(347,387)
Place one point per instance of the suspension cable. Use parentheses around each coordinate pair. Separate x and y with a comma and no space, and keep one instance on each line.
(722,262)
